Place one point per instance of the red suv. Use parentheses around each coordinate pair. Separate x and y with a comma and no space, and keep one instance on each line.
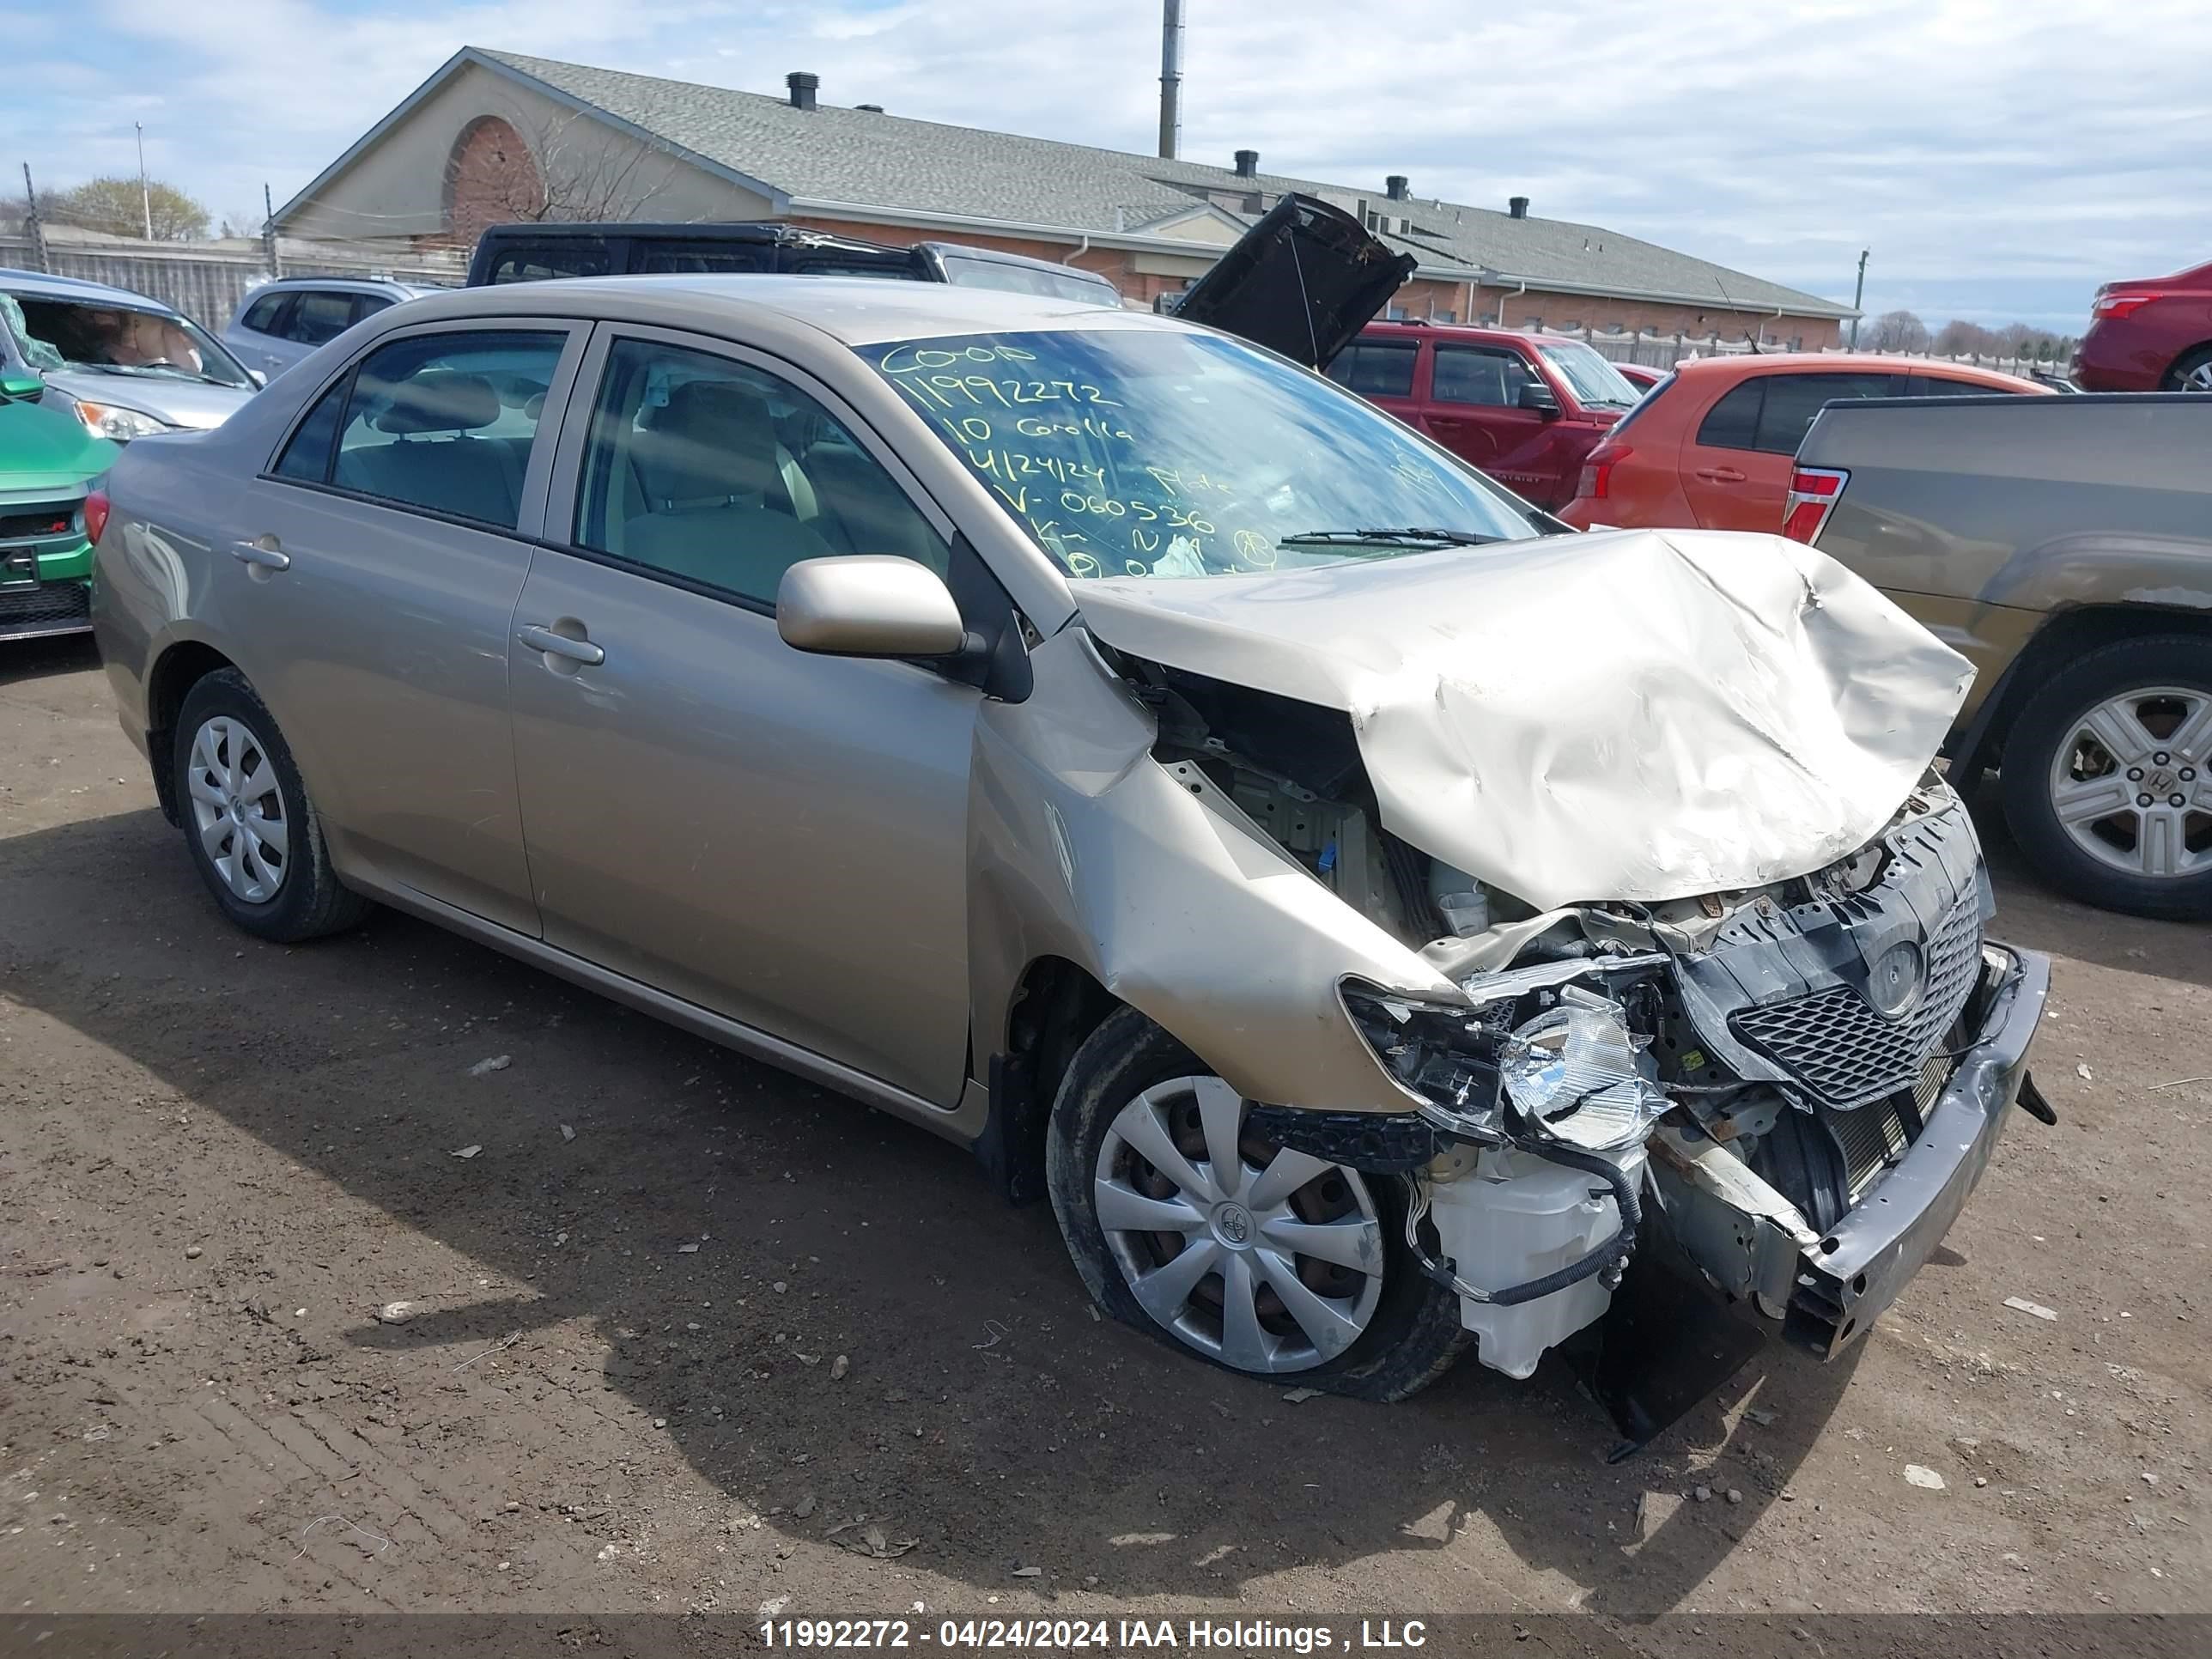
(2151,336)
(1524,409)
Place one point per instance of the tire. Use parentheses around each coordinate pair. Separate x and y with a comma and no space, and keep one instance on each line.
(241,796)
(2158,693)
(1407,1329)
(2192,372)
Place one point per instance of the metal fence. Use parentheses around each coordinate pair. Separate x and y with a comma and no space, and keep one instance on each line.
(207,281)
(1654,350)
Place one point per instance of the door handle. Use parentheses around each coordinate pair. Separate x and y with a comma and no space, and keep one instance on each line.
(1720,475)
(559,645)
(267,558)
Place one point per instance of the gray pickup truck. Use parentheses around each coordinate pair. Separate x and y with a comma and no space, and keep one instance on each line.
(2064,546)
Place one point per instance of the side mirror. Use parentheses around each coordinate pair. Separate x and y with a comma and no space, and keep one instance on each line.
(1540,397)
(18,385)
(261,376)
(868,605)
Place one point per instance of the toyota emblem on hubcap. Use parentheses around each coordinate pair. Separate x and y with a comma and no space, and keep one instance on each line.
(1232,1224)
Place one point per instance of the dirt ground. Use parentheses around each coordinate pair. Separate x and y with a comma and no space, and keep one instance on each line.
(691,1336)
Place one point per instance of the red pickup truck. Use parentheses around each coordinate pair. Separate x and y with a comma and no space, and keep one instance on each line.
(1524,409)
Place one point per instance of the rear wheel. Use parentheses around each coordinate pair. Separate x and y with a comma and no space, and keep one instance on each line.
(251,829)
(2192,372)
(1267,1261)
(2107,777)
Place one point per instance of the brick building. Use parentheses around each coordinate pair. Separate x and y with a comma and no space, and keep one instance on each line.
(492,137)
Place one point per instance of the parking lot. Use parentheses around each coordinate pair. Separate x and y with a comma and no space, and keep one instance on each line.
(690,1334)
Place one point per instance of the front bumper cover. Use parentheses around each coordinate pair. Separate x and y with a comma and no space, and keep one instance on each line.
(1864,1262)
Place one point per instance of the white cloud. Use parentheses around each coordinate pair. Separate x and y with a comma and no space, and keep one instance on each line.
(2055,143)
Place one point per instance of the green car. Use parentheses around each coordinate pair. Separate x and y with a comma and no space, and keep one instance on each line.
(47,463)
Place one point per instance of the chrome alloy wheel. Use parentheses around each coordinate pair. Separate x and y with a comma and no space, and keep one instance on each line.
(2198,378)
(2132,784)
(1267,1260)
(238,809)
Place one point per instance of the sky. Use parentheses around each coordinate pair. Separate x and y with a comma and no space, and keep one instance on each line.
(1997,160)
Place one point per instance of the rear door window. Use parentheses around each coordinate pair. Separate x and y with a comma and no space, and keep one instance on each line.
(1733,422)
(1376,369)
(318,315)
(446,422)
(1792,401)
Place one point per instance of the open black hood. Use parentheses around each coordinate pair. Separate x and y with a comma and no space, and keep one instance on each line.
(1303,282)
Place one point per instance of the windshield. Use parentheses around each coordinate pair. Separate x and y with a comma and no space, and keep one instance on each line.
(1133,452)
(1592,380)
(121,340)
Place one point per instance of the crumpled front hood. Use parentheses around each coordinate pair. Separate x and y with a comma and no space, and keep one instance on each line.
(1637,714)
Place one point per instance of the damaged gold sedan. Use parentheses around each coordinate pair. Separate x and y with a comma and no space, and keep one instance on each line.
(1379,920)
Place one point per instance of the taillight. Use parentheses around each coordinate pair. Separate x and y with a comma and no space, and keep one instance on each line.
(95,513)
(1813,494)
(1597,482)
(2121,305)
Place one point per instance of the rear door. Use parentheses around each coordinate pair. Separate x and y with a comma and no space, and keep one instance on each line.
(1474,409)
(1735,465)
(371,593)
(1384,371)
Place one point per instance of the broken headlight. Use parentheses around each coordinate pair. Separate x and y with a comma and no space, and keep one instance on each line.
(1440,1051)
(1576,1073)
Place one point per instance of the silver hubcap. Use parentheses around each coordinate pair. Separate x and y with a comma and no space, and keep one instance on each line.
(2133,783)
(2198,378)
(238,812)
(1268,1260)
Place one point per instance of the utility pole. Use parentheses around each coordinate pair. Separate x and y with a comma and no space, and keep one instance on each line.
(1858,294)
(145,195)
(1170,78)
(269,231)
(31,221)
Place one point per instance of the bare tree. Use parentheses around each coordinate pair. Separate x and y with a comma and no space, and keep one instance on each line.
(577,169)
(1895,331)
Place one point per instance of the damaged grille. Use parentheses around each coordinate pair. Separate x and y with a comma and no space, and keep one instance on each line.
(1844,1052)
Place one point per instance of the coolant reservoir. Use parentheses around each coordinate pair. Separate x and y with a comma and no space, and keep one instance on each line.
(1460,898)
(1518,1218)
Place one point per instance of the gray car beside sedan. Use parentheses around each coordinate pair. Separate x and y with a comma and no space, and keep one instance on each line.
(1378,922)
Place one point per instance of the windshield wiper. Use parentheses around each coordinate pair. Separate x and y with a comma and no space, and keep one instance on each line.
(1413,534)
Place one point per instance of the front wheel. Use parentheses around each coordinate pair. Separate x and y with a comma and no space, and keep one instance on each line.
(2107,777)
(1267,1262)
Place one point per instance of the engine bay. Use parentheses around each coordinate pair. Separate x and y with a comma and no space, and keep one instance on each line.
(1738,1069)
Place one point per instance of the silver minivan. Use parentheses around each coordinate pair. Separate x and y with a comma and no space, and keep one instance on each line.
(1379,920)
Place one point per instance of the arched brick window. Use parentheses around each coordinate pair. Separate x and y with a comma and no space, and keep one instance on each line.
(491,178)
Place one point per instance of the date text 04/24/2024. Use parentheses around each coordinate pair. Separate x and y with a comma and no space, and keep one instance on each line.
(1095,1635)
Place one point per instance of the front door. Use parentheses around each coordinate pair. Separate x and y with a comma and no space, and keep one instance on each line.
(1474,409)
(778,837)
(373,592)
(1735,467)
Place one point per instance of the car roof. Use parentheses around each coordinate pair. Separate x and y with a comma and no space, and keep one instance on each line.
(1696,369)
(853,310)
(76,287)
(379,284)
